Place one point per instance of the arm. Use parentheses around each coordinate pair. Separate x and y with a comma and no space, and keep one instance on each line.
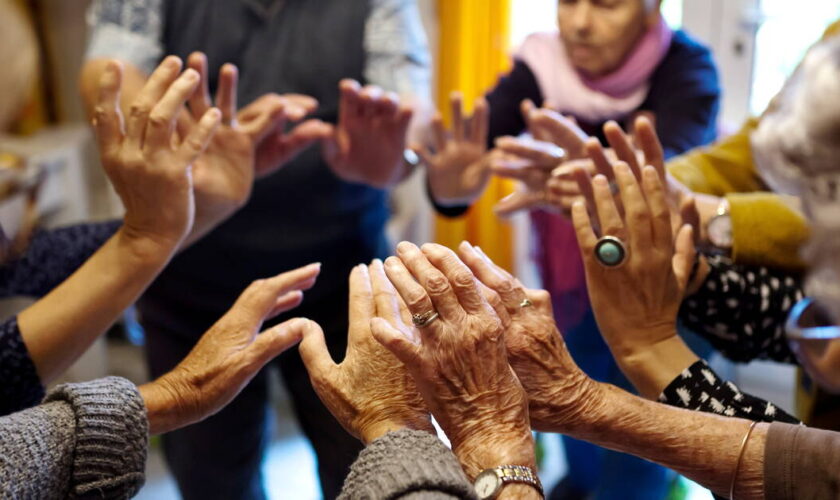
(52,256)
(742,310)
(406,463)
(86,439)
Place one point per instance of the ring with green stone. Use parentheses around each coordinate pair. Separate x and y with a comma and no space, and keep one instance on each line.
(610,251)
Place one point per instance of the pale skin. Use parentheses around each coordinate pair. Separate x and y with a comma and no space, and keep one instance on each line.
(562,399)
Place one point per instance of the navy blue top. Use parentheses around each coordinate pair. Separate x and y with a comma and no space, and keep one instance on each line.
(52,256)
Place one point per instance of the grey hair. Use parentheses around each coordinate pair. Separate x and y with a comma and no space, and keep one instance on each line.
(797,151)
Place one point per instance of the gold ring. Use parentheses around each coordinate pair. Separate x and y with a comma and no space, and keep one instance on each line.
(421,320)
(526,303)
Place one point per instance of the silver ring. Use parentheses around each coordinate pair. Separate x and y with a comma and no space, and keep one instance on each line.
(610,251)
(421,320)
(526,303)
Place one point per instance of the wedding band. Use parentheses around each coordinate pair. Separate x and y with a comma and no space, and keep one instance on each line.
(421,320)
(526,303)
(614,190)
(610,251)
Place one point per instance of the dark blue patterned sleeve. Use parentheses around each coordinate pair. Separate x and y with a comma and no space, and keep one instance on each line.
(699,388)
(20,386)
(52,257)
(741,310)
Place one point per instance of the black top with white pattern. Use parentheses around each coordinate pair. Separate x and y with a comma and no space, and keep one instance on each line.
(741,310)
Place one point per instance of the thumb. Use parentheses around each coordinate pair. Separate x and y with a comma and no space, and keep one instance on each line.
(313,349)
(684,256)
(393,340)
(514,202)
(272,342)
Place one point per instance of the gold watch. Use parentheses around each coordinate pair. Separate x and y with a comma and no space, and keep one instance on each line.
(490,482)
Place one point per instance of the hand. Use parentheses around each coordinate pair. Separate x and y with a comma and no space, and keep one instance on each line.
(249,142)
(457,170)
(558,391)
(458,360)
(369,393)
(229,354)
(149,168)
(368,143)
(636,303)
(555,140)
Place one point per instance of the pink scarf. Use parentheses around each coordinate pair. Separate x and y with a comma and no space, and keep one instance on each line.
(611,97)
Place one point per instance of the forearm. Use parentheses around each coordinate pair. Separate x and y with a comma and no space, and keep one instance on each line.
(60,327)
(703,447)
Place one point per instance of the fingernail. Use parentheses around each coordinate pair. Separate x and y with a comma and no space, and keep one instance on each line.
(403,246)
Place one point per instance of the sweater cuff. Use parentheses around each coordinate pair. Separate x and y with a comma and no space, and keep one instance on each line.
(451,212)
(779,460)
(21,386)
(766,231)
(406,461)
(112,434)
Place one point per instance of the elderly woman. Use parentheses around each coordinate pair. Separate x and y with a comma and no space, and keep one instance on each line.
(608,61)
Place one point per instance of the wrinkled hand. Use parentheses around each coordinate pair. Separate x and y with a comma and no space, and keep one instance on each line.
(370,393)
(457,169)
(554,140)
(458,360)
(368,143)
(249,143)
(636,303)
(558,391)
(229,354)
(149,167)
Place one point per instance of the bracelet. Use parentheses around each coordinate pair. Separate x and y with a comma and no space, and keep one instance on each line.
(740,456)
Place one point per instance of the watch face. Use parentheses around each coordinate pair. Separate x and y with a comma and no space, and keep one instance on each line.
(720,231)
(487,484)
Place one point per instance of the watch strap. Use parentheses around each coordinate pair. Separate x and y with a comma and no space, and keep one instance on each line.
(519,474)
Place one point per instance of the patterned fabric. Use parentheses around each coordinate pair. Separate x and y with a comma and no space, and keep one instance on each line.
(20,386)
(699,388)
(741,310)
(395,42)
(52,257)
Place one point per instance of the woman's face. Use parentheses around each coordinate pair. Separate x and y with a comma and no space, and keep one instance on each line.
(598,34)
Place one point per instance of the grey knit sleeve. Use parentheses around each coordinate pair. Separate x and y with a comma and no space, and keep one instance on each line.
(85,441)
(407,464)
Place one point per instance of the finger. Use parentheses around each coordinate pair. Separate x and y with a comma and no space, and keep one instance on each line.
(561,130)
(155,87)
(362,307)
(596,153)
(689,213)
(433,281)
(298,106)
(496,303)
(313,349)
(385,296)
(260,298)
(456,101)
(413,295)
(349,107)
(480,122)
(439,133)
(543,154)
(516,202)
(161,123)
(526,108)
(650,145)
(275,340)
(107,118)
(460,277)
(196,142)
(509,291)
(620,143)
(401,121)
(226,93)
(388,105)
(368,98)
(638,215)
(608,215)
(583,229)
(663,235)
(584,182)
(271,118)
(684,256)
(286,302)
(200,100)
(395,341)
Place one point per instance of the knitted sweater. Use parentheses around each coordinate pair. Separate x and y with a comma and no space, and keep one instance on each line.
(84,441)
(409,465)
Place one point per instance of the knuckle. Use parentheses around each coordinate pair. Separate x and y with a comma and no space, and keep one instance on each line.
(437,283)
(415,300)
(463,279)
(159,120)
(139,109)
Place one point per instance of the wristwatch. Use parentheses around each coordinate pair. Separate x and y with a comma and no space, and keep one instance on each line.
(490,482)
(719,230)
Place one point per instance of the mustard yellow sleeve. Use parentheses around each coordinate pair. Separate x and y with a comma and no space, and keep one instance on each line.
(766,230)
(724,167)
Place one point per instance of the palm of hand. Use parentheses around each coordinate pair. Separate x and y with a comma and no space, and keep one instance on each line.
(459,172)
(355,157)
(224,174)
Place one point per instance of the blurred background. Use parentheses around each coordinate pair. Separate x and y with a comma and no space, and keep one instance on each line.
(756,43)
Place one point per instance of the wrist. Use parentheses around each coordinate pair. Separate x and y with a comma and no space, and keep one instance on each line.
(654,366)
(165,408)
(487,450)
(379,428)
(146,247)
